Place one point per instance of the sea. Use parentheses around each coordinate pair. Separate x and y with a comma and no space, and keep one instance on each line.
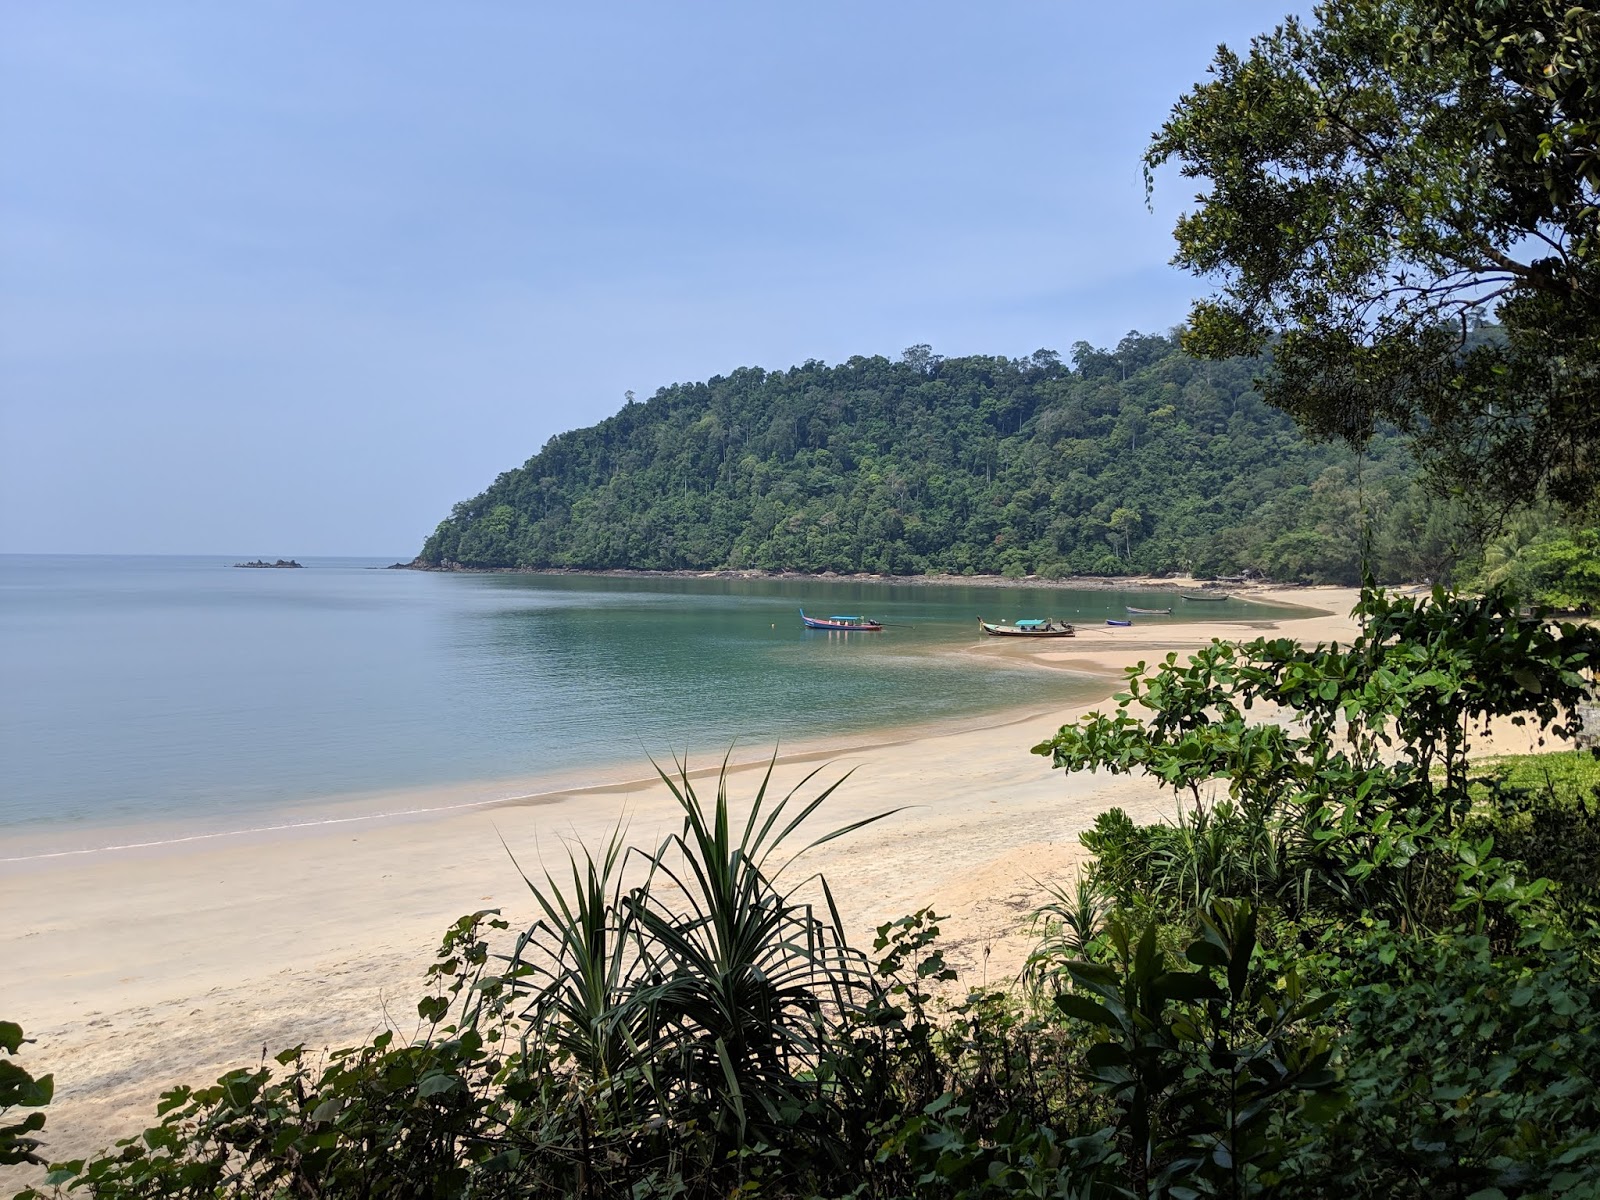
(185,693)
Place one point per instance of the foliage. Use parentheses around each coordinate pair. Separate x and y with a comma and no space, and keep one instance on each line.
(1465,1070)
(1378,180)
(1137,460)
(1204,1064)
(1449,915)
(1543,811)
(693,1015)
(739,984)
(1554,566)
(1069,926)
(19,1089)
(1341,807)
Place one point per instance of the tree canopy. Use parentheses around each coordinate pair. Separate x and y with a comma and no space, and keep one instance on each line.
(1380,180)
(1137,459)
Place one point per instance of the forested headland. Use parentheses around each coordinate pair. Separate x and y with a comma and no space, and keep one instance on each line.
(1140,459)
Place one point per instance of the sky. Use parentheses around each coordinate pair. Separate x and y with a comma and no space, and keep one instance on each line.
(291,279)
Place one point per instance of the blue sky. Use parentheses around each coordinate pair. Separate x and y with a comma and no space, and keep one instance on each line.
(293,278)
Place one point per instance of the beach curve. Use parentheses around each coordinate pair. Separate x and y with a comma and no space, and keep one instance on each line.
(175,960)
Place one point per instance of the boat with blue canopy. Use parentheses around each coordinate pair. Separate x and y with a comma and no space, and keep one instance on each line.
(843,623)
(1047,627)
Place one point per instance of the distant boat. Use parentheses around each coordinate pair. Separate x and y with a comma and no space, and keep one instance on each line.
(1148,612)
(1114,621)
(1215,597)
(1047,628)
(865,624)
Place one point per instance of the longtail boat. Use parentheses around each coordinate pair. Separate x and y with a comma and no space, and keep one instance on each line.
(1148,612)
(1114,621)
(865,624)
(1049,627)
(1215,597)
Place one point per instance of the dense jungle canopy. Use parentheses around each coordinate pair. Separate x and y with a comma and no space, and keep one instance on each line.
(1138,459)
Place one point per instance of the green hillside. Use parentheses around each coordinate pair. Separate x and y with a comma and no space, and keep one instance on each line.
(1140,459)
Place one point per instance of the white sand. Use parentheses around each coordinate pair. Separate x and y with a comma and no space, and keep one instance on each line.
(138,968)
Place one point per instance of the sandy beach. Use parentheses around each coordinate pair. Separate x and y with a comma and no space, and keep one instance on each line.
(141,967)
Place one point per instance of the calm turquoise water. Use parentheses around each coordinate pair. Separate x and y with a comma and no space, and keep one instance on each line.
(172,688)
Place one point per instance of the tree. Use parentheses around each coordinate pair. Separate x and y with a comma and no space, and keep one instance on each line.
(921,358)
(1383,180)
(1125,523)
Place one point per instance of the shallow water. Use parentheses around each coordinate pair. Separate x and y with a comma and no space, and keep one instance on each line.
(140,689)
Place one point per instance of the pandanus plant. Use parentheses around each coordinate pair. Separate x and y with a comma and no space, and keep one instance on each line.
(702,996)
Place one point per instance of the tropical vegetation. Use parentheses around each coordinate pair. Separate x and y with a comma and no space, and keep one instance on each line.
(1137,460)
(1377,183)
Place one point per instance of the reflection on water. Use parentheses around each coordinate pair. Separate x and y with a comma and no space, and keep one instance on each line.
(158,687)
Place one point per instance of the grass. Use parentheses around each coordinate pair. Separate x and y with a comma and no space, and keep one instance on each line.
(1567,775)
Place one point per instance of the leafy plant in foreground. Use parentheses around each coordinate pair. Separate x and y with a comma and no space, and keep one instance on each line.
(1069,926)
(698,1008)
(19,1089)
(1204,1064)
(1338,801)
(1466,1070)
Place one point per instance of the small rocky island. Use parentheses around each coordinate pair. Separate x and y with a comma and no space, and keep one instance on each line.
(261,562)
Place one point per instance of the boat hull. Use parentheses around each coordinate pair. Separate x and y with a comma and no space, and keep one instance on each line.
(1012,631)
(1114,621)
(1218,599)
(1148,612)
(837,625)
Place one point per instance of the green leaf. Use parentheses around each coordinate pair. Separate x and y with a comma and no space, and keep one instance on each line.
(1084,1009)
(1106,1054)
(1186,986)
(64,1173)
(434,1085)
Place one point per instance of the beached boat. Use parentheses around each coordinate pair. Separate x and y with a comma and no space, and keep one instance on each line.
(865,624)
(1049,628)
(1212,596)
(1147,612)
(1114,621)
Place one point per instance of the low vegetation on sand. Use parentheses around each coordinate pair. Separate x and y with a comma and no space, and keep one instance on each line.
(1354,965)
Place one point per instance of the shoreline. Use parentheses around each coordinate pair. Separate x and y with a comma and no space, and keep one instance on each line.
(1090,583)
(621,777)
(137,969)
(42,841)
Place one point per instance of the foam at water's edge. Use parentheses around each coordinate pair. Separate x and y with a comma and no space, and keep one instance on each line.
(631,780)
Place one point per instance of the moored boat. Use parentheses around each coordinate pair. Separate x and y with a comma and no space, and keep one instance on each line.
(865,624)
(1114,621)
(1216,597)
(1147,612)
(1049,627)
